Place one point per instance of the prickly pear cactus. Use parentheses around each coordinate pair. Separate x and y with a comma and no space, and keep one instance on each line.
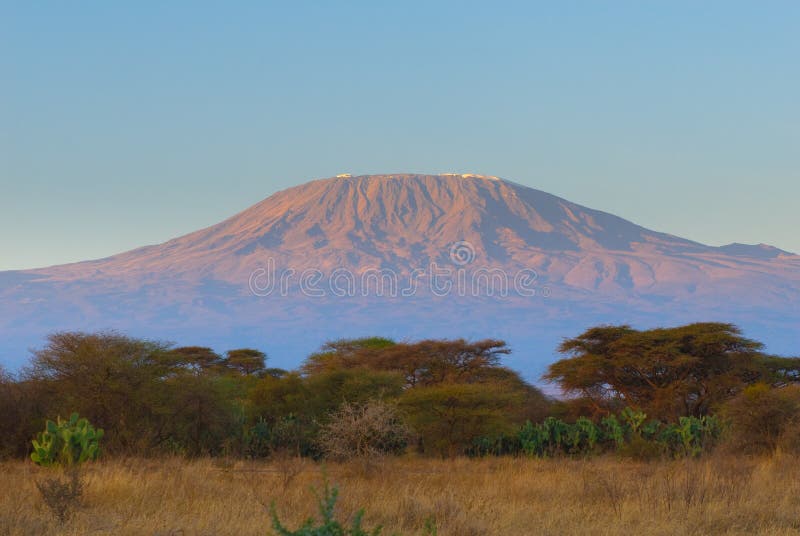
(66,443)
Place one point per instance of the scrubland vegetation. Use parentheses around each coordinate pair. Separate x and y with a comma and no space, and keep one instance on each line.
(682,430)
(460,497)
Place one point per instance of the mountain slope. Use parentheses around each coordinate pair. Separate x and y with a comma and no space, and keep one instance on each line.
(589,262)
(402,222)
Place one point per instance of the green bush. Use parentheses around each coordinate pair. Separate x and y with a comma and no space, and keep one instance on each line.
(630,434)
(690,436)
(612,430)
(501,444)
(66,443)
(634,420)
(554,436)
(582,436)
(258,440)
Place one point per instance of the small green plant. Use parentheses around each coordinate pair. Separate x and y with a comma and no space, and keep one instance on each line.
(634,420)
(258,440)
(612,430)
(532,439)
(630,434)
(501,444)
(65,445)
(582,436)
(650,429)
(328,525)
(430,526)
(691,435)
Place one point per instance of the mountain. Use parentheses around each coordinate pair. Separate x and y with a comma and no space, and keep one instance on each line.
(377,253)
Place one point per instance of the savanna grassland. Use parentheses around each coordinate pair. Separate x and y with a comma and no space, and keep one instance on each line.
(685,430)
(722,494)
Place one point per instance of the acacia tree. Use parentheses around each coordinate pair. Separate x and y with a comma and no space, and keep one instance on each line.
(451,391)
(247,361)
(344,353)
(145,394)
(113,380)
(421,363)
(16,416)
(450,417)
(203,411)
(666,372)
(197,358)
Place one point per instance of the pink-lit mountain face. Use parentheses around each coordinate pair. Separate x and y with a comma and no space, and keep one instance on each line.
(595,268)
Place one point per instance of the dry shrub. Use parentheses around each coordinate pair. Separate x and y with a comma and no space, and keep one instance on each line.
(762,418)
(365,432)
(288,468)
(640,449)
(789,441)
(61,493)
(602,488)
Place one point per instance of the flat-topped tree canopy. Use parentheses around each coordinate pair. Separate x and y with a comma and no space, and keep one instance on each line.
(666,372)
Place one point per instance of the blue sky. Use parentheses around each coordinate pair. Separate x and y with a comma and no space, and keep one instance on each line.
(128,125)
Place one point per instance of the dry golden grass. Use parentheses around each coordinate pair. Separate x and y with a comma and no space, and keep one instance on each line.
(725,495)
